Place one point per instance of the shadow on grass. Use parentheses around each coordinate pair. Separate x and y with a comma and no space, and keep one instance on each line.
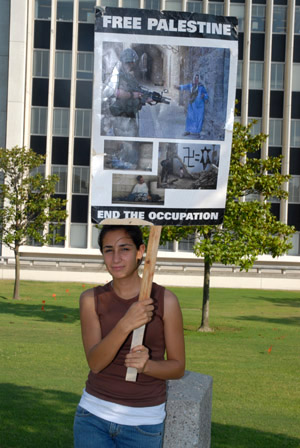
(49,313)
(36,418)
(293,302)
(33,417)
(229,436)
(292,320)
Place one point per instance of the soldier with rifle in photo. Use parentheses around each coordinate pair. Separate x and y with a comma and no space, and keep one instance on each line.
(126,97)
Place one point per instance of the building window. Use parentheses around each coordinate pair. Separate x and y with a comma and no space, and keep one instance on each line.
(86,11)
(194,6)
(131,4)
(173,5)
(187,244)
(41,34)
(40,63)
(42,9)
(84,94)
(64,10)
(277,76)
(239,75)
(38,143)
(81,179)
(39,120)
(38,170)
(295,133)
(256,125)
(79,212)
(62,93)
(63,64)
(109,2)
(295,240)
(256,75)
(82,147)
(95,236)
(78,235)
(64,35)
(239,12)
(152,4)
(275,132)
(58,232)
(296,78)
(279,19)
(40,88)
(167,246)
(33,242)
(216,9)
(62,172)
(258,18)
(294,189)
(61,118)
(297,20)
(85,65)
(82,123)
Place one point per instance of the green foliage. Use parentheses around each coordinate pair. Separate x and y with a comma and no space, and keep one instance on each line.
(30,209)
(249,228)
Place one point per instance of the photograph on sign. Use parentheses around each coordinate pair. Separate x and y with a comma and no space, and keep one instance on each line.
(163,111)
(128,155)
(178,111)
(188,166)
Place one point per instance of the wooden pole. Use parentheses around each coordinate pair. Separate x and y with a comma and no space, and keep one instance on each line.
(146,286)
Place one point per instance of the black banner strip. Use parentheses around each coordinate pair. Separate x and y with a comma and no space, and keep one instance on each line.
(160,216)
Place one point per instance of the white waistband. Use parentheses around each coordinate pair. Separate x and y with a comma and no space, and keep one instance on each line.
(123,415)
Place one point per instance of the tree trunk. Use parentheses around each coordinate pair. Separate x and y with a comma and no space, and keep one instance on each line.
(205,304)
(17,274)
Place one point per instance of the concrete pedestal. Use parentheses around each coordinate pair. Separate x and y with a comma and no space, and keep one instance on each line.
(189,403)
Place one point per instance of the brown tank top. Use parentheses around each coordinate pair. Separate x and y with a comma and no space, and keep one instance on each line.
(110,384)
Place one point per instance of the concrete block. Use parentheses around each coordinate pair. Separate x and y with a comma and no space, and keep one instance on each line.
(189,404)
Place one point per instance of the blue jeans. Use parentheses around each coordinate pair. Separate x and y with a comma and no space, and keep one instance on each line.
(91,431)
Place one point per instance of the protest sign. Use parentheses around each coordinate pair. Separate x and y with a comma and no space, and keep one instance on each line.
(163,111)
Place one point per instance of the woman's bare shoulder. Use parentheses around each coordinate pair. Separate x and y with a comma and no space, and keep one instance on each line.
(87,296)
(170,300)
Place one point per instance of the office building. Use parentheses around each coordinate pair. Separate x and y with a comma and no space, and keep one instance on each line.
(46,60)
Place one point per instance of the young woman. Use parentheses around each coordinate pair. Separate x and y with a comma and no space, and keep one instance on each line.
(113,412)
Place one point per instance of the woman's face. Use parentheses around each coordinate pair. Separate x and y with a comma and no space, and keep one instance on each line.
(120,253)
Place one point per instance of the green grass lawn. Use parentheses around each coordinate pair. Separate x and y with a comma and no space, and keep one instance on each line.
(256,393)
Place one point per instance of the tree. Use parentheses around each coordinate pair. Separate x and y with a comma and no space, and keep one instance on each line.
(249,228)
(28,206)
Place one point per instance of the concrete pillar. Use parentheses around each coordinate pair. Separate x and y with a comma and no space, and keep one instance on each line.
(189,404)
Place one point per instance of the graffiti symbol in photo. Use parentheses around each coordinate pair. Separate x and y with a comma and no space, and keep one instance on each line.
(188,166)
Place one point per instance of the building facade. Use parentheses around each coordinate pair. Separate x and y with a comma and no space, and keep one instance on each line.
(46,57)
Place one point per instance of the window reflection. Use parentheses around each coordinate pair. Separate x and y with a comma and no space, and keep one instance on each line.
(279,19)
(258,18)
(194,6)
(239,12)
(64,10)
(42,9)
(86,11)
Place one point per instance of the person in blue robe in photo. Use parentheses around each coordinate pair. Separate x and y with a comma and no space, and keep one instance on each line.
(195,112)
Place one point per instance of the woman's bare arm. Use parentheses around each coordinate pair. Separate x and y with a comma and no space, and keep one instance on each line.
(100,352)
(173,367)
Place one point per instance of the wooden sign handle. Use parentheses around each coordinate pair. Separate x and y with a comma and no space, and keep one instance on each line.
(146,286)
